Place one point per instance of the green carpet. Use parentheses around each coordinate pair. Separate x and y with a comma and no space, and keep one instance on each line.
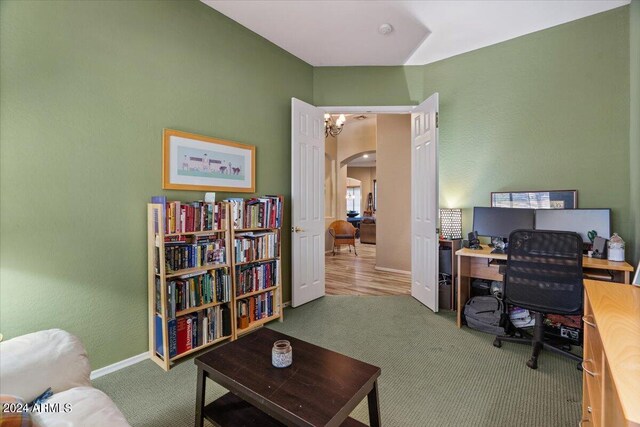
(433,374)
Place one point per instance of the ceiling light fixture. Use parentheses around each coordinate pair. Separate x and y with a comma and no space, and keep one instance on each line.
(331,128)
(385,29)
(366,156)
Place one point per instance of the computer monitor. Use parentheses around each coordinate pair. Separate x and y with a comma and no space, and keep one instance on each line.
(500,222)
(581,221)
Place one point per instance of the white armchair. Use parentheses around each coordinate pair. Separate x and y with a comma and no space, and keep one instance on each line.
(32,363)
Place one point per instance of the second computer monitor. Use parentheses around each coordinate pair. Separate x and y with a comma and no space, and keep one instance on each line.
(500,222)
(581,221)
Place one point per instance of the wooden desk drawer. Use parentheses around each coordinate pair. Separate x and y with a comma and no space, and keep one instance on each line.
(593,368)
(480,268)
(591,378)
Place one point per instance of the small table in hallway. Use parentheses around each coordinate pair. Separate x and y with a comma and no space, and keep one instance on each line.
(320,388)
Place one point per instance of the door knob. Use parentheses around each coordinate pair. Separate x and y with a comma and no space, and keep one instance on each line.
(297,229)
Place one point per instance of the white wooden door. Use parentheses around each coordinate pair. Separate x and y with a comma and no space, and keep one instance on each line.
(307,200)
(424,202)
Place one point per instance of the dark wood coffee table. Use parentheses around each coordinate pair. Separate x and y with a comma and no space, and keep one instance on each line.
(320,388)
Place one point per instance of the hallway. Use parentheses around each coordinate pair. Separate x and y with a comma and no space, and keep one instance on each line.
(347,274)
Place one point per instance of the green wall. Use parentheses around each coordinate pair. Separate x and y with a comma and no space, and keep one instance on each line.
(549,110)
(634,134)
(368,85)
(86,89)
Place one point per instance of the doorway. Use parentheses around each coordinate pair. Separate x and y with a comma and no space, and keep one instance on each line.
(308,219)
(380,263)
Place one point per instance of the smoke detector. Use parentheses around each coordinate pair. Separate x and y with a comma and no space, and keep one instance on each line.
(385,29)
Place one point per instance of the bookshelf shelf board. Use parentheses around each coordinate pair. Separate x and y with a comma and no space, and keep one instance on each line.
(257,324)
(196,233)
(257,261)
(194,270)
(261,291)
(242,230)
(193,350)
(198,308)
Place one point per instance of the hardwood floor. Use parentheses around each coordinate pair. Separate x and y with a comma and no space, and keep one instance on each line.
(347,274)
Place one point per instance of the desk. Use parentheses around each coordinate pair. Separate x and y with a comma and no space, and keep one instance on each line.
(611,374)
(475,263)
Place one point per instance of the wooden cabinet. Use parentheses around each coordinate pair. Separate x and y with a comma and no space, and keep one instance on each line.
(450,246)
(611,366)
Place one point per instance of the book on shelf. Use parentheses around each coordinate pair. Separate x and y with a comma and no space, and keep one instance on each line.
(255,307)
(202,327)
(172,331)
(252,246)
(194,290)
(160,200)
(181,217)
(205,250)
(252,277)
(257,212)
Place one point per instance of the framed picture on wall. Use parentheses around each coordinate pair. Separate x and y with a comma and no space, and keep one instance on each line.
(554,199)
(201,163)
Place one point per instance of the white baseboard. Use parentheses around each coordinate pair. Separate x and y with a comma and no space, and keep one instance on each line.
(392,270)
(119,365)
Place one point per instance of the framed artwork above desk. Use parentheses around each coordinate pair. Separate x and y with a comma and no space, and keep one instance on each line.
(548,199)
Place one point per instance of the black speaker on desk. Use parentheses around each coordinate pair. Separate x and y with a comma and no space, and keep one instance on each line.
(600,248)
(474,242)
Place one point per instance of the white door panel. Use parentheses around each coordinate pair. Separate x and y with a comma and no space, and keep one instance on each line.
(307,200)
(424,203)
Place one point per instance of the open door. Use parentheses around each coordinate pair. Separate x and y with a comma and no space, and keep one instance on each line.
(307,200)
(424,202)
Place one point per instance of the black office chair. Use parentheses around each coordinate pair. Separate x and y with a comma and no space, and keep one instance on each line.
(544,275)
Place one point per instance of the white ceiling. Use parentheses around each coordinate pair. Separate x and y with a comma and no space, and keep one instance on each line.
(361,162)
(341,33)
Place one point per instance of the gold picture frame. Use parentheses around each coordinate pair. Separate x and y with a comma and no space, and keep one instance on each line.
(202,163)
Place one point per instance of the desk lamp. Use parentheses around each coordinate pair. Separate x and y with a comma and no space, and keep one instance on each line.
(451,223)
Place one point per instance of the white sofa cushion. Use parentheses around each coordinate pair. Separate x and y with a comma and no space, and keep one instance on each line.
(85,406)
(29,364)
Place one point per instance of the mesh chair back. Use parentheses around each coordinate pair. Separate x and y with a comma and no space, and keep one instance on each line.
(544,271)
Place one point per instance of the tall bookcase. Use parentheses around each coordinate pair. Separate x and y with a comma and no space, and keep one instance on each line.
(190,280)
(248,251)
(256,259)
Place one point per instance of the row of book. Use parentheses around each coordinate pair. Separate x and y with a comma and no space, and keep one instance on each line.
(257,212)
(252,277)
(193,330)
(251,246)
(180,217)
(256,307)
(207,250)
(193,291)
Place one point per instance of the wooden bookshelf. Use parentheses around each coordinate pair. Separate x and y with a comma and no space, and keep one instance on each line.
(258,261)
(201,347)
(257,324)
(237,228)
(192,270)
(158,272)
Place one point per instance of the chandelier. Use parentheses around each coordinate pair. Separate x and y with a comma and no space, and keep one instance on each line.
(331,128)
